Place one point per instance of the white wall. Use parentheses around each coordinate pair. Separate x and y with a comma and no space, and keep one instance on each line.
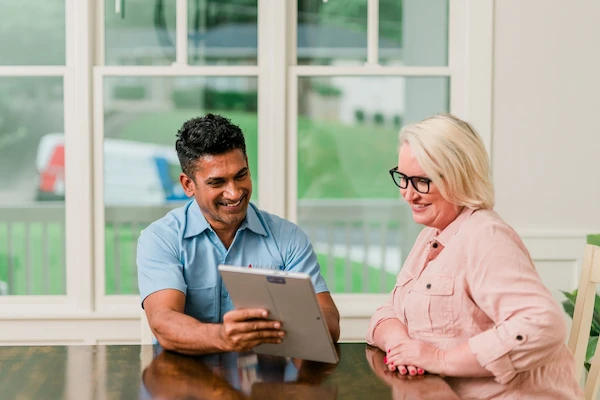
(546,138)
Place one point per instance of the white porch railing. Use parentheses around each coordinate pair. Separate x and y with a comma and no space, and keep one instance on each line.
(361,244)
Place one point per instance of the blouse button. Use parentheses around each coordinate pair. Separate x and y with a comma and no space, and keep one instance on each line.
(428,286)
(435,245)
(519,337)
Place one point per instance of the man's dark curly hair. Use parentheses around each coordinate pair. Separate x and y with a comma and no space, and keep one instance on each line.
(208,135)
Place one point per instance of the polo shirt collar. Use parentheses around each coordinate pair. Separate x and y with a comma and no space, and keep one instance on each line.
(253,221)
(196,223)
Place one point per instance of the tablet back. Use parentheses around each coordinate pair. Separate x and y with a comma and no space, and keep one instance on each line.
(290,298)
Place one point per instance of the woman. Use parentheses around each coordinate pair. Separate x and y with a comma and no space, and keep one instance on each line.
(468,302)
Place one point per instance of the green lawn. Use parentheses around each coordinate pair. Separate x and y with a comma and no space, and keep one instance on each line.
(120,246)
(128,282)
(335,161)
(27,261)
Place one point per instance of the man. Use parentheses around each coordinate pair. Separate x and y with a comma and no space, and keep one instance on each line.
(188,307)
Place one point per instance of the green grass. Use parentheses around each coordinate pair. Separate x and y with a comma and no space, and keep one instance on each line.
(123,250)
(27,261)
(120,246)
(334,161)
(377,281)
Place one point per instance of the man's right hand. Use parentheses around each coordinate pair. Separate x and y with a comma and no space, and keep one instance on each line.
(246,328)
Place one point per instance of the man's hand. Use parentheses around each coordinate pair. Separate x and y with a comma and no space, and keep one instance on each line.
(246,328)
(413,352)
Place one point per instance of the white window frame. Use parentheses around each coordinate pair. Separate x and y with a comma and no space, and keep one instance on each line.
(78,239)
(126,305)
(470,70)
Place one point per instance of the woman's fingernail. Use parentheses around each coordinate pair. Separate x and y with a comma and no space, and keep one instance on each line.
(389,350)
(385,360)
(403,370)
(413,372)
(421,371)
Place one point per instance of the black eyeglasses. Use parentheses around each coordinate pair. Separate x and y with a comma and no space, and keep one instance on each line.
(421,184)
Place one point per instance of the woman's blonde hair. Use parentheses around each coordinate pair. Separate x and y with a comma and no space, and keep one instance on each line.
(453,156)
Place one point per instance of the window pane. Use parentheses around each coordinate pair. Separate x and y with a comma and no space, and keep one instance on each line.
(411,32)
(141,169)
(222,32)
(331,32)
(143,34)
(24,42)
(347,203)
(32,208)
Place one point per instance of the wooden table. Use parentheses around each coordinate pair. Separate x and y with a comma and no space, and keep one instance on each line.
(146,372)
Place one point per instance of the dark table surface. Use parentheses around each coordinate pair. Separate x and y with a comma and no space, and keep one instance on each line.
(147,372)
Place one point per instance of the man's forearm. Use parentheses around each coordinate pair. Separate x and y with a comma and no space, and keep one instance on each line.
(332,317)
(184,334)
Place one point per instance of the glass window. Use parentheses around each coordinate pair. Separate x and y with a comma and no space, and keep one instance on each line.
(222,32)
(27,43)
(141,169)
(347,203)
(32,188)
(411,32)
(142,34)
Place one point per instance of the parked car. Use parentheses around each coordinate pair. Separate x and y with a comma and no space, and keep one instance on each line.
(134,172)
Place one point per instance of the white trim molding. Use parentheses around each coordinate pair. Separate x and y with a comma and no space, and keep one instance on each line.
(30,70)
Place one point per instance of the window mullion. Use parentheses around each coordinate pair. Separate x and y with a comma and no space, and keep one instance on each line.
(182,33)
(373,32)
(272,62)
(77,124)
(99,34)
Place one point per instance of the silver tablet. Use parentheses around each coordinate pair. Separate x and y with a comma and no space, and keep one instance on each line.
(289,297)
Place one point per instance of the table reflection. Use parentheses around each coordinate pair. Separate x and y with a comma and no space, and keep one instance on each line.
(408,387)
(235,376)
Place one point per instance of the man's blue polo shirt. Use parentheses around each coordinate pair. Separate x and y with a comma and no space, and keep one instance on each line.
(181,251)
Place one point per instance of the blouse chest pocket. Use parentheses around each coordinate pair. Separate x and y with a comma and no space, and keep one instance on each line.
(430,311)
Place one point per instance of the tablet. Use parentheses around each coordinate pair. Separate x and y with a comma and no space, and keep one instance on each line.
(289,297)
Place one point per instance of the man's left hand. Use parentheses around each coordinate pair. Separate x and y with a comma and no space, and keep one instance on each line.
(414,352)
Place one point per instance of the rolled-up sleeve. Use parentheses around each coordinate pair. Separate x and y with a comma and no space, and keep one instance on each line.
(383,313)
(530,328)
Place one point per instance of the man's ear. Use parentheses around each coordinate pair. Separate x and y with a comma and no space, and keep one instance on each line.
(188,185)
